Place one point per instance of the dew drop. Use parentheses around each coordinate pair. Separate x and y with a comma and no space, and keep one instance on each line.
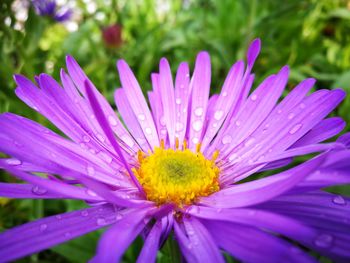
(100,137)
(219,210)
(162,121)
(302,105)
(197,125)
(324,240)
(38,190)
(84,213)
(254,97)
(59,217)
(291,115)
(249,142)
(198,111)
(179,126)
(215,124)
(233,157)
(238,123)
(279,111)
(163,131)
(339,200)
(119,216)
(91,193)
(90,170)
(178,101)
(43,227)
(295,128)
(112,120)
(195,140)
(67,234)
(224,94)
(127,140)
(148,130)
(101,221)
(86,138)
(226,139)
(218,115)
(141,117)
(13,162)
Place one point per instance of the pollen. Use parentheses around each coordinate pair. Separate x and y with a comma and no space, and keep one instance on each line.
(177,176)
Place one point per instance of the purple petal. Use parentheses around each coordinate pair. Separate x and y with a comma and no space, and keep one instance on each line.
(101,118)
(130,120)
(253,51)
(201,244)
(29,191)
(151,245)
(184,242)
(200,85)
(168,98)
(226,101)
(116,240)
(137,102)
(261,190)
(252,245)
(47,232)
(182,95)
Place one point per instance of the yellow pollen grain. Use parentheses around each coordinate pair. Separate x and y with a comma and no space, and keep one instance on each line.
(177,176)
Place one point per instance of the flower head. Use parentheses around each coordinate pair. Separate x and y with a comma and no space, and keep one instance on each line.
(176,170)
(49,8)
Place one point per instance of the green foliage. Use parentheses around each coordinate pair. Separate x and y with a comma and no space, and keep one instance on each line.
(312,36)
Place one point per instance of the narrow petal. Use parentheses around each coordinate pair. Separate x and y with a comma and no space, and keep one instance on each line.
(29,191)
(200,84)
(261,190)
(168,98)
(47,232)
(201,243)
(184,242)
(138,103)
(116,240)
(252,245)
(150,248)
(182,95)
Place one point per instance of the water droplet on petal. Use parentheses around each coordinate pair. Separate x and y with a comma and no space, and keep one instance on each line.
(254,97)
(226,139)
(148,130)
(90,170)
(291,115)
(279,111)
(100,137)
(67,234)
(127,140)
(238,123)
(179,126)
(141,117)
(199,111)
(38,190)
(218,114)
(195,140)
(178,101)
(112,120)
(295,128)
(302,105)
(91,193)
(86,138)
(43,227)
(224,94)
(197,125)
(233,156)
(250,141)
(13,162)
(101,221)
(59,217)
(339,200)
(324,241)
(119,216)
(84,213)
(162,121)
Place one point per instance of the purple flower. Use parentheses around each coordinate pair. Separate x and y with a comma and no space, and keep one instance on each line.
(49,8)
(175,168)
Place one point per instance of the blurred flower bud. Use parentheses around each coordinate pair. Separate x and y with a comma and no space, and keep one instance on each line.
(112,36)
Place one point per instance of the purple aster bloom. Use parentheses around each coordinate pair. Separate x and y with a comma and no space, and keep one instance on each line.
(50,8)
(174,168)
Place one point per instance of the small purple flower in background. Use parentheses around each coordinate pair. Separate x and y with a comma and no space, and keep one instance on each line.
(172,171)
(49,8)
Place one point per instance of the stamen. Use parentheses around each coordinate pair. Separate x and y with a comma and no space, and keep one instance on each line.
(177,143)
(198,147)
(184,144)
(162,144)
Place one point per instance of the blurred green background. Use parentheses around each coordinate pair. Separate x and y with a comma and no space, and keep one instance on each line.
(313,37)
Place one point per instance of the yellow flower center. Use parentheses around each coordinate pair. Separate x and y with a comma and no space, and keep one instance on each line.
(177,176)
